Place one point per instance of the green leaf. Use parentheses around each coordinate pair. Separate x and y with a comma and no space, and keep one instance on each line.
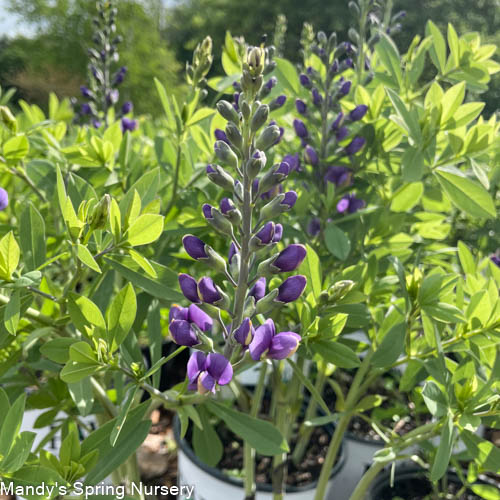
(164,288)
(407,196)
(287,75)
(143,263)
(32,237)
(115,220)
(336,353)
(466,258)
(408,118)
(81,352)
(121,315)
(452,100)
(443,454)
(84,313)
(310,386)
(11,425)
(444,312)
(145,229)
(122,416)
(74,372)
(57,350)
(391,347)
(311,268)
(484,453)
(206,443)
(438,49)
(337,241)
(199,115)
(435,399)
(261,435)
(412,165)
(465,194)
(165,102)
(19,453)
(9,256)
(16,148)
(82,394)
(466,114)
(389,56)
(486,491)
(86,257)
(70,447)
(12,312)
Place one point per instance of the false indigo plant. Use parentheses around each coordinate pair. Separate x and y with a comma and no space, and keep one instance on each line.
(104,76)
(248,218)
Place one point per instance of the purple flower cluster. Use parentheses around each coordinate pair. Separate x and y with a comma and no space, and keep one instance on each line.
(254,193)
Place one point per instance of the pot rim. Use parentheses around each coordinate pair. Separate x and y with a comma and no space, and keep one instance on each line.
(213,471)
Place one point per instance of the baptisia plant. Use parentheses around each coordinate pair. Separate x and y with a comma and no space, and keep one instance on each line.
(228,324)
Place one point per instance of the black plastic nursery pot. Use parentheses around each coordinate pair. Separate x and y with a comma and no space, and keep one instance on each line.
(411,483)
(211,483)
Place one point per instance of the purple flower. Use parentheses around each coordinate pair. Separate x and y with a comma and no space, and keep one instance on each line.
(338,175)
(271,83)
(349,62)
(289,199)
(278,233)
(128,124)
(208,291)
(194,247)
(258,291)
(495,259)
(347,46)
(338,120)
(358,112)
(275,346)
(279,101)
(200,318)
(265,235)
(314,226)
(301,106)
(293,161)
(290,258)
(86,109)
(86,92)
(220,135)
(96,123)
(127,107)
(305,81)
(300,128)
(205,372)
(178,312)
(317,98)
(345,88)
(120,75)
(342,134)
(355,145)
(4,199)
(350,204)
(311,156)
(232,252)
(182,333)
(291,289)
(207,211)
(189,288)
(244,333)
(226,206)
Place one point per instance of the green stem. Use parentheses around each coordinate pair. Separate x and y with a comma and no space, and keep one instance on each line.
(279,461)
(359,492)
(249,452)
(31,313)
(173,199)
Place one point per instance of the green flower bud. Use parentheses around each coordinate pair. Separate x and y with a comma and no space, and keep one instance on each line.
(249,307)
(226,154)
(8,119)
(267,303)
(227,111)
(220,177)
(268,137)
(339,290)
(260,117)
(245,108)
(100,214)
(234,135)
(215,261)
(256,60)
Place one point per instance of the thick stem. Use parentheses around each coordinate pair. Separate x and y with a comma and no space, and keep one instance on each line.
(279,461)
(249,452)
(359,492)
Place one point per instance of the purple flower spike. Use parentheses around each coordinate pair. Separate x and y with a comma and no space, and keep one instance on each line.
(128,124)
(195,366)
(301,106)
(258,291)
(338,175)
(355,145)
(265,235)
(194,247)
(278,233)
(200,318)
(305,81)
(350,204)
(293,161)
(208,292)
(262,340)
(178,312)
(244,333)
(127,107)
(290,258)
(300,128)
(358,112)
(189,288)
(232,252)
(311,156)
(4,199)
(226,206)
(291,289)
(290,199)
(283,345)
(317,98)
(220,135)
(182,333)
(345,88)
(207,211)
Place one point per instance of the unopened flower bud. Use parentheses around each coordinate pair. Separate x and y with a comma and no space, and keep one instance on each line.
(244,333)
(258,290)
(301,106)
(8,119)
(260,117)
(275,175)
(220,177)
(358,112)
(99,216)
(227,111)
(268,137)
(291,289)
(4,199)
(226,154)
(339,290)
(300,129)
(277,103)
(256,164)
(278,205)
(263,237)
(305,81)
(217,220)
(311,156)
(210,293)
(268,302)
(233,135)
